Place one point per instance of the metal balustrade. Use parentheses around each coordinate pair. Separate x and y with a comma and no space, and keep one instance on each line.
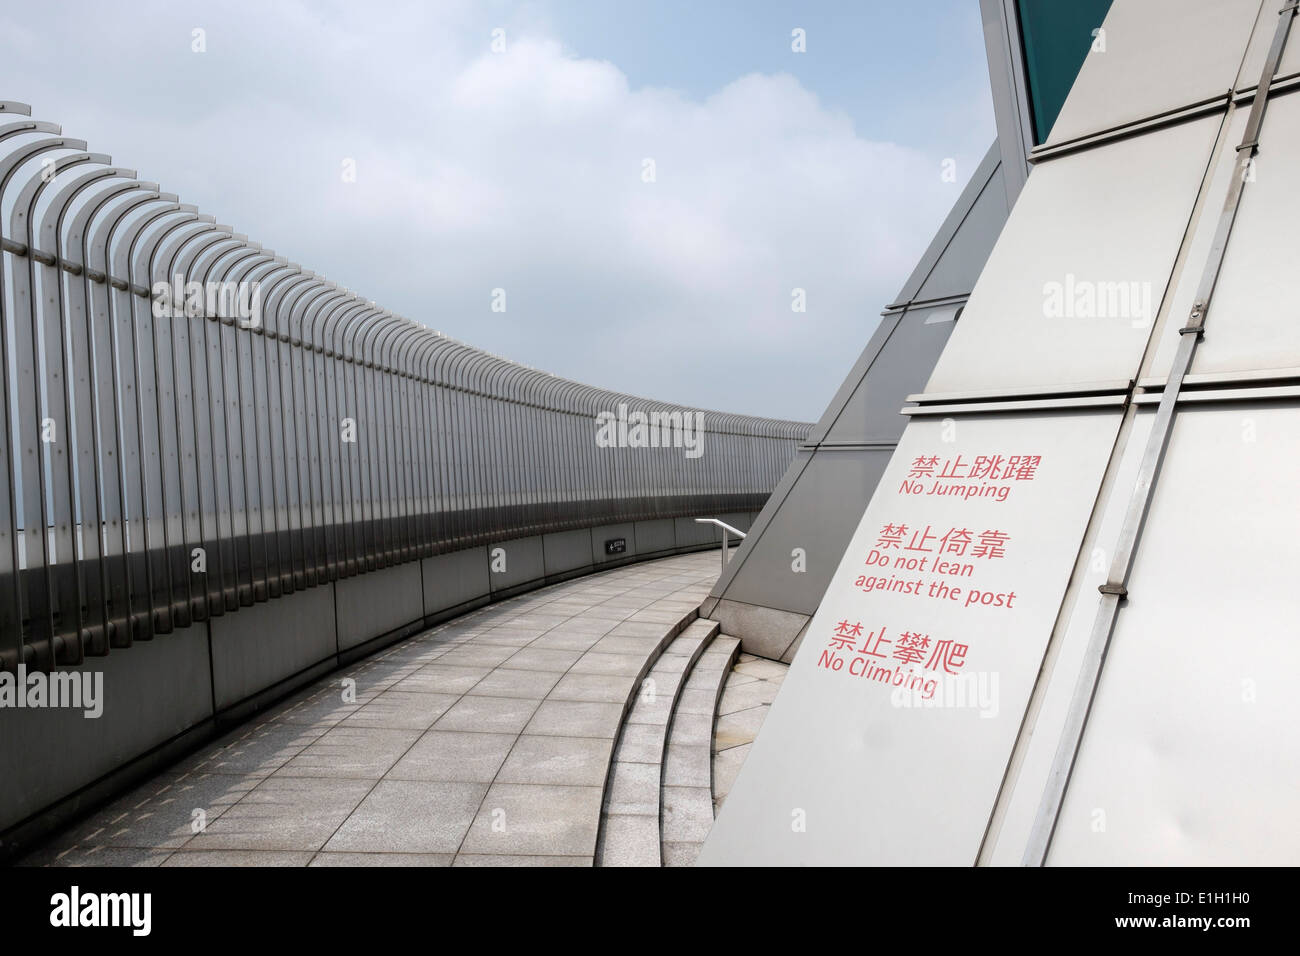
(186,465)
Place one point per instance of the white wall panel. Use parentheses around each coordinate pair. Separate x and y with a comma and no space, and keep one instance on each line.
(1160,55)
(1190,752)
(1260,41)
(1254,317)
(1104,222)
(1009,833)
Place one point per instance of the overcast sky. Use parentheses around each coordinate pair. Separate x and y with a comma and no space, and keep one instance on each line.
(525,169)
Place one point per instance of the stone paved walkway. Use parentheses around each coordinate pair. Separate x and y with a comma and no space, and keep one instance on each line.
(485,741)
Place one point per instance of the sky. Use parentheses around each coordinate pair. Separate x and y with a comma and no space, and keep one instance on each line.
(649,183)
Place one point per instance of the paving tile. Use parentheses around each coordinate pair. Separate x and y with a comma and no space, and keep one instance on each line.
(415,651)
(687,814)
(449,636)
(658,684)
(709,672)
(333,858)
(718,654)
(739,728)
(657,710)
(609,664)
(284,813)
(412,816)
(536,820)
(736,680)
(377,677)
(681,854)
(475,654)
(486,859)
(684,604)
(452,755)
(565,640)
(656,616)
(363,752)
(542,659)
(640,629)
(325,707)
(745,696)
(398,710)
(239,858)
(695,701)
(693,728)
(672,664)
(575,761)
(641,743)
(630,840)
(510,636)
(613,689)
(572,605)
(541,619)
(762,668)
(533,685)
(633,789)
(688,765)
(605,611)
(586,626)
(442,679)
(610,644)
(57,855)
(686,645)
(499,715)
(162,814)
(726,766)
(570,718)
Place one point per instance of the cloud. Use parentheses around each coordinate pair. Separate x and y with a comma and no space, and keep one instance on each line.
(525,170)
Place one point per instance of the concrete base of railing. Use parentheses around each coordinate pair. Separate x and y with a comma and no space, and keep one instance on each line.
(164,697)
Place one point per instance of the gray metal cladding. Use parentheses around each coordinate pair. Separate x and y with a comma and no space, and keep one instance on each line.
(197,425)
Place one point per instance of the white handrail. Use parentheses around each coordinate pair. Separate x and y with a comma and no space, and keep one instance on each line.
(721,524)
(726,545)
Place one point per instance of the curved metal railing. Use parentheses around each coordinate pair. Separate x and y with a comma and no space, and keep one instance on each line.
(199,424)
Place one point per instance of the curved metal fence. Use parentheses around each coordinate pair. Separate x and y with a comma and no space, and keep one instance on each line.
(199,425)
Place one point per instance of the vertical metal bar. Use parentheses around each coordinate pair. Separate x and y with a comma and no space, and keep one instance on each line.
(47,298)
(309,443)
(368,453)
(258,483)
(83,373)
(329,423)
(272,436)
(169,263)
(276,317)
(37,509)
(353,395)
(122,580)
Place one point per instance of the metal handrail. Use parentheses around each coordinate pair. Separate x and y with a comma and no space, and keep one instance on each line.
(726,544)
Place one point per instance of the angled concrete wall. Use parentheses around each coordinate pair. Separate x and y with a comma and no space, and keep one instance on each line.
(776,579)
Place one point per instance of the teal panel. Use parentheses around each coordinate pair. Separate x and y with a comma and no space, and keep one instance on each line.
(1056,37)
